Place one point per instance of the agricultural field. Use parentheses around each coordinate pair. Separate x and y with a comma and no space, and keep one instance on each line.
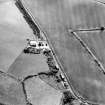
(81,53)
(58,18)
(15,65)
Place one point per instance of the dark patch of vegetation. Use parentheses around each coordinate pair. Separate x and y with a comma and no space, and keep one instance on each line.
(28,19)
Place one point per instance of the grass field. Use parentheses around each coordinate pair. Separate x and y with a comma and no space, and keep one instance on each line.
(28,64)
(11,91)
(42,94)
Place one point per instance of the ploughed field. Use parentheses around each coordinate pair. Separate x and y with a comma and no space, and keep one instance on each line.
(56,17)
